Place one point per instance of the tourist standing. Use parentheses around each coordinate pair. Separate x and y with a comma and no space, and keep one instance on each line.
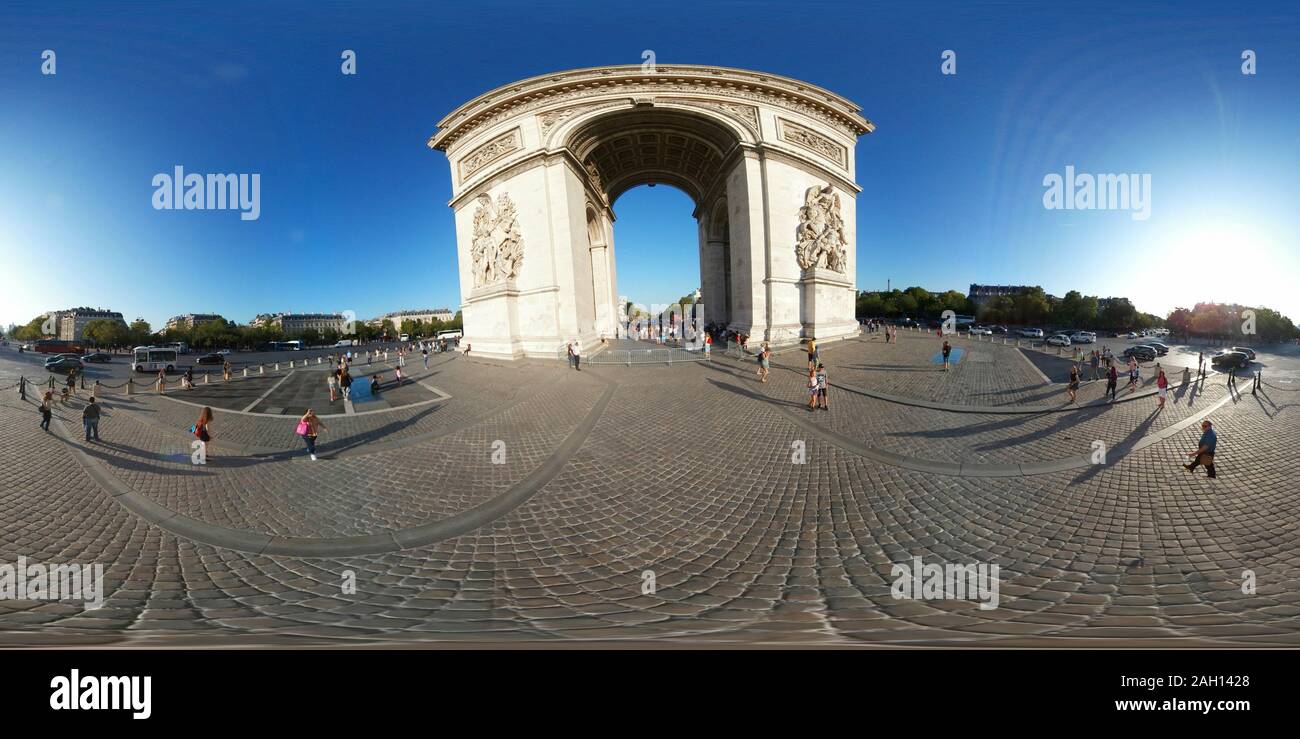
(812,388)
(202,431)
(1203,454)
(425,353)
(821,387)
(334,385)
(188,377)
(764,361)
(1073,387)
(577,355)
(90,419)
(813,355)
(568,353)
(345,382)
(708,344)
(309,427)
(162,380)
(1132,374)
(1112,381)
(1162,388)
(947,350)
(1095,361)
(225,370)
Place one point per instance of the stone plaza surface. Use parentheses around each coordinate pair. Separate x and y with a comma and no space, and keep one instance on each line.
(686,471)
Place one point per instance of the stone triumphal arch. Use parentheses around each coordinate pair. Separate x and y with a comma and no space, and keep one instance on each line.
(538,165)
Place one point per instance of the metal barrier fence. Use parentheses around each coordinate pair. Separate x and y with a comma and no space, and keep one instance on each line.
(629,357)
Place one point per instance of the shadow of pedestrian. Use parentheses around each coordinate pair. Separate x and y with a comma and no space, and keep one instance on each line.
(1121,450)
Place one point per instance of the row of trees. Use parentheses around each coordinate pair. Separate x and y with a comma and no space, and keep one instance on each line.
(1222,321)
(1075,310)
(221,334)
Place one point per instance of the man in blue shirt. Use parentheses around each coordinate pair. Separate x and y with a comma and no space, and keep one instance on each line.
(1204,452)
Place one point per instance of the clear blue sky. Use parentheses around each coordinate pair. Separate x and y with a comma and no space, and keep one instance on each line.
(354,209)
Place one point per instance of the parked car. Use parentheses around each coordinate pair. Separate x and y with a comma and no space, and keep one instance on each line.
(97,357)
(980,331)
(1140,352)
(67,364)
(223,352)
(213,358)
(1031,333)
(1083,337)
(1229,360)
(1250,353)
(999,329)
(1058,340)
(1160,348)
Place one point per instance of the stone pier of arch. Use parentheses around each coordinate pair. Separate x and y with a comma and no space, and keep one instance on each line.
(537,167)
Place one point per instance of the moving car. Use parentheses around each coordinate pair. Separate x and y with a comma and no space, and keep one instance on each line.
(67,364)
(1058,340)
(1140,352)
(980,331)
(1229,360)
(1250,353)
(1130,335)
(214,358)
(97,357)
(1160,348)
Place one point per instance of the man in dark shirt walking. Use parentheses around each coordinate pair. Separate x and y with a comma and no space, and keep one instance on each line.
(1204,452)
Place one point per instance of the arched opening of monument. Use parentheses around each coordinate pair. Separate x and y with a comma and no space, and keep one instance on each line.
(657,259)
(631,151)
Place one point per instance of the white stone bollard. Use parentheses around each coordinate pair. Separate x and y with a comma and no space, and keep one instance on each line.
(277,366)
(205,378)
(245,372)
(261,369)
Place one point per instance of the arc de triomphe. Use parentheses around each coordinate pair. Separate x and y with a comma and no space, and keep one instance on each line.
(538,165)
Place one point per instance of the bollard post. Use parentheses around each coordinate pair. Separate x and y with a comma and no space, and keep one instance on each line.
(22,388)
(261,369)
(277,366)
(94,391)
(317,360)
(245,372)
(205,378)
(130,386)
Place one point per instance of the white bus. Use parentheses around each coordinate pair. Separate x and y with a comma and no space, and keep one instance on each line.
(154,358)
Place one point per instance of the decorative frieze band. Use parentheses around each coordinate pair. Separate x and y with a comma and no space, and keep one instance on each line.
(490,152)
(809,139)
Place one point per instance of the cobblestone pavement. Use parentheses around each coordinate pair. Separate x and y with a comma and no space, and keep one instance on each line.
(689,472)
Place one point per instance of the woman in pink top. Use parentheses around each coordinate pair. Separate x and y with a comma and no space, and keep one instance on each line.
(1162,388)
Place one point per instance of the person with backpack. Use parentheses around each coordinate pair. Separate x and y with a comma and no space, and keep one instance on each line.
(201,430)
(309,427)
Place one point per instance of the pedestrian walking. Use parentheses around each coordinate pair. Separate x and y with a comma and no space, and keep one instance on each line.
(201,429)
(309,427)
(187,379)
(225,370)
(1203,454)
(1112,381)
(813,355)
(577,355)
(1132,374)
(47,409)
(1162,388)
(1095,361)
(568,353)
(708,344)
(947,350)
(1073,387)
(345,382)
(90,419)
(397,376)
(162,380)
(764,362)
(822,387)
(425,353)
(72,383)
(333,381)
